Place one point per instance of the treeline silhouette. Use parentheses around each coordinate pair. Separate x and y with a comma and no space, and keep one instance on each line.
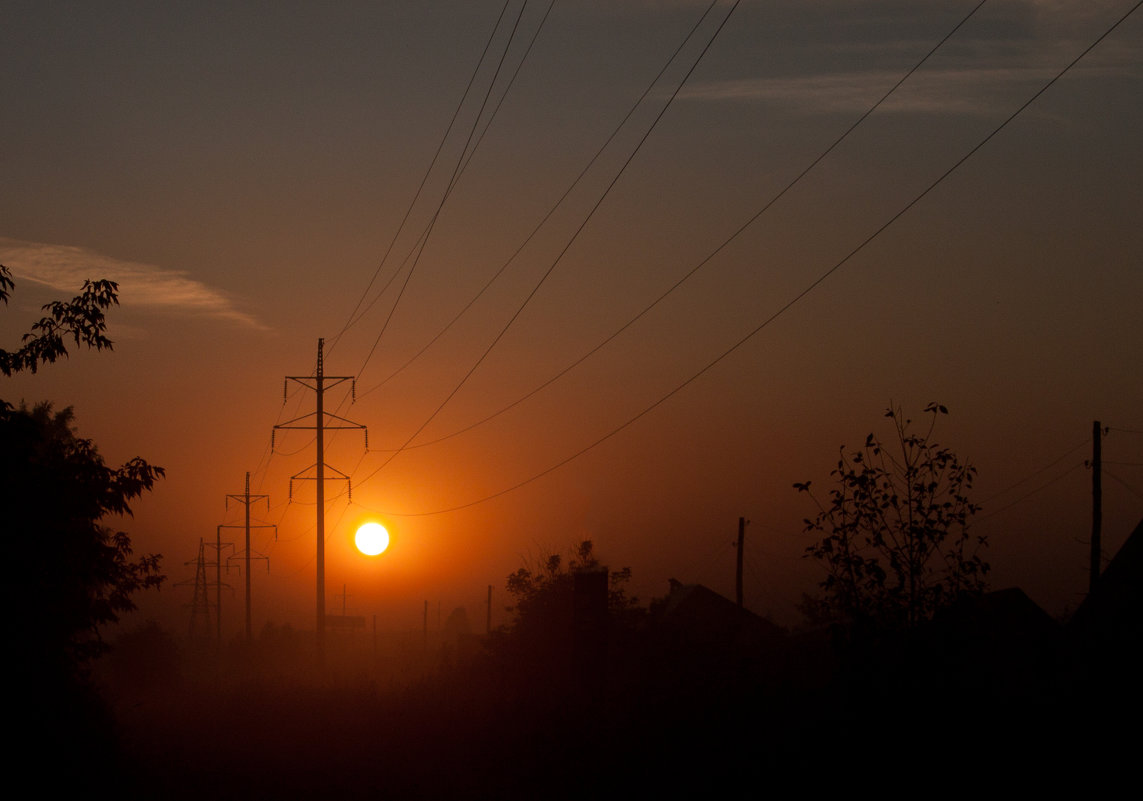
(591,696)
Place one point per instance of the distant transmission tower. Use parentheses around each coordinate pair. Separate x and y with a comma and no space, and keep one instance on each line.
(322,420)
(200,605)
(246,499)
(199,628)
(219,546)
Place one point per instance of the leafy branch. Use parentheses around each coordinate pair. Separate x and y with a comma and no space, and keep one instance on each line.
(82,319)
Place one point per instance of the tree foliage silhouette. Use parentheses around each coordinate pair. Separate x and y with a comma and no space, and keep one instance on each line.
(542,594)
(893,535)
(81,318)
(541,639)
(73,571)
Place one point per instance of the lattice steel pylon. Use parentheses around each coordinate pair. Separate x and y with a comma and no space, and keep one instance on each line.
(200,628)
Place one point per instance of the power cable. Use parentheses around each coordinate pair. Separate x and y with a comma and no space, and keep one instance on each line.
(1028,495)
(1029,477)
(789,304)
(543,221)
(687,276)
(1127,486)
(508,86)
(423,242)
(416,196)
(467,154)
(550,269)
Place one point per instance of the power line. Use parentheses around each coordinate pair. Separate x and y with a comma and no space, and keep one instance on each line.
(508,87)
(1127,486)
(688,275)
(543,221)
(453,179)
(424,180)
(1028,495)
(550,269)
(1029,477)
(801,295)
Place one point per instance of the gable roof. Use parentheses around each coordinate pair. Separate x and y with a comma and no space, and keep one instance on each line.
(1113,610)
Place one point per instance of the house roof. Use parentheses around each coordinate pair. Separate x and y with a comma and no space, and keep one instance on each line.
(1113,610)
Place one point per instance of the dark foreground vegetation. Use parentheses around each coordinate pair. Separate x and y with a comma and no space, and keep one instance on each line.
(691,696)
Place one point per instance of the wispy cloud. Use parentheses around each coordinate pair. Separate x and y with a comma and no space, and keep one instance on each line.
(65,268)
(954,91)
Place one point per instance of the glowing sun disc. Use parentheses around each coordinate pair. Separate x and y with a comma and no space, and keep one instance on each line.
(371,539)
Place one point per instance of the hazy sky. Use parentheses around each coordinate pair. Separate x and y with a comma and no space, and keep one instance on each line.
(241,169)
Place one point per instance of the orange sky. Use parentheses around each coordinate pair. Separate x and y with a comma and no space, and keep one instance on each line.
(241,172)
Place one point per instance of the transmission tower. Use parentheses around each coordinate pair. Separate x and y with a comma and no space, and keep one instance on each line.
(199,628)
(246,499)
(321,421)
(218,546)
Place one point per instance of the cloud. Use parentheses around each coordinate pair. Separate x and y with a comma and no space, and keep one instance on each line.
(65,268)
(953,91)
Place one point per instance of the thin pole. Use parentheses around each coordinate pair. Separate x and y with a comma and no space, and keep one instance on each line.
(246,499)
(738,567)
(218,584)
(320,426)
(246,502)
(1096,506)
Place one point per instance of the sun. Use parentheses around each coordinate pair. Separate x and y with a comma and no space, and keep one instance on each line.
(371,539)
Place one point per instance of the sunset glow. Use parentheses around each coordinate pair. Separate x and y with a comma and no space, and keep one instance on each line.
(371,539)
(637,337)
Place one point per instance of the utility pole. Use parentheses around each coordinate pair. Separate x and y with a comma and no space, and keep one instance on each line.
(218,546)
(742,521)
(246,499)
(1096,506)
(319,382)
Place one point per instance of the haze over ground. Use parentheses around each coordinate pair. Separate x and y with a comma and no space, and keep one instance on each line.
(241,170)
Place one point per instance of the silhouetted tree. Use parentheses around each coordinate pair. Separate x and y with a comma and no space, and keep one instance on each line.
(81,318)
(542,595)
(542,639)
(71,569)
(894,535)
(70,573)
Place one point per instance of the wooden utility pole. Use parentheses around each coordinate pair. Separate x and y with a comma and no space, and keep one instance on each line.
(738,567)
(1096,506)
(319,382)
